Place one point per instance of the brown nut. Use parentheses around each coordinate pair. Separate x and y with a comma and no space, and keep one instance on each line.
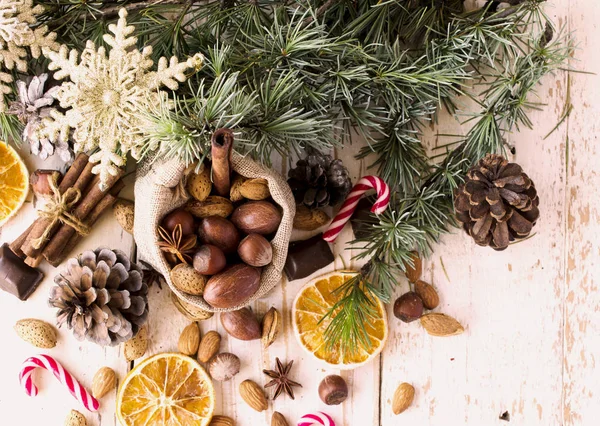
(37,332)
(430,297)
(309,220)
(199,184)
(442,325)
(185,278)
(190,311)
(253,395)
(103,382)
(233,286)
(255,250)
(189,340)
(136,347)
(271,326)
(408,307)
(124,212)
(209,346)
(209,260)
(40,182)
(257,217)
(176,217)
(75,418)
(211,206)
(414,271)
(221,421)
(234,191)
(403,397)
(278,419)
(219,232)
(333,390)
(224,366)
(241,324)
(255,189)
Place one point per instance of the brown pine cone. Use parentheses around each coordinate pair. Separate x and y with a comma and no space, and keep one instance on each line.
(497,203)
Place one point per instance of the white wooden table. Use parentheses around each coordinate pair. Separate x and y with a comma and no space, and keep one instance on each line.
(532,312)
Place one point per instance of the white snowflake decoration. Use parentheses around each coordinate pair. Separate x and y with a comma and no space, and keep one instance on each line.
(16,34)
(107,95)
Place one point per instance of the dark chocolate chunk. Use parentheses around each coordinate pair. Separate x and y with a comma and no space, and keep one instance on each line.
(362,220)
(306,257)
(16,277)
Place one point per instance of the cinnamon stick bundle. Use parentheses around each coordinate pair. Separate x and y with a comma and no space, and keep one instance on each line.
(78,176)
(221,145)
(53,250)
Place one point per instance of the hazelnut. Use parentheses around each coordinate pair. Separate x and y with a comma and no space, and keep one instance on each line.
(255,250)
(408,307)
(241,324)
(333,390)
(209,260)
(219,232)
(177,217)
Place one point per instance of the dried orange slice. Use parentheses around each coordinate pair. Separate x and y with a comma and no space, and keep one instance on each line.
(167,389)
(14,182)
(313,302)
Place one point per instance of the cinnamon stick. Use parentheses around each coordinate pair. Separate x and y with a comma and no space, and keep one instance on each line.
(78,176)
(15,246)
(221,145)
(94,195)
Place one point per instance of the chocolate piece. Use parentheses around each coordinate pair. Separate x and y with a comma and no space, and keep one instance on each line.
(16,277)
(306,257)
(362,220)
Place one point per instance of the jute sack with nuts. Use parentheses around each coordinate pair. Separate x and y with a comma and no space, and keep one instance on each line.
(160,188)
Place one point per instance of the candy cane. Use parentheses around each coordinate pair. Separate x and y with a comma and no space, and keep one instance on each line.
(49,363)
(316,419)
(362,186)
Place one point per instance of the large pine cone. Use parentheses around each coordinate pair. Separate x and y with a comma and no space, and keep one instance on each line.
(319,181)
(497,203)
(101,297)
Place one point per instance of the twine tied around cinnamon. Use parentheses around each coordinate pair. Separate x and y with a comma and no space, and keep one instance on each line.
(57,210)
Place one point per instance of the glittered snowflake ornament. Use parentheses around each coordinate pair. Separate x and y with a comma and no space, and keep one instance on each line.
(108,94)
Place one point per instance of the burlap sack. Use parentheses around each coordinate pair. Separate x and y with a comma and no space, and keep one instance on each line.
(156,194)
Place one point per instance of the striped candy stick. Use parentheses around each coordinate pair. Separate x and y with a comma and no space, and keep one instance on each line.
(49,363)
(345,213)
(316,419)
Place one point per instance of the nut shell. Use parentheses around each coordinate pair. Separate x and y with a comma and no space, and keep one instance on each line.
(190,311)
(278,419)
(232,287)
(179,216)
(104,381)
(221,421)
(403,397)
(199,184)
(209,260)
(408,307)
(430,297)
(333,390)
(271,326)
(124,212)
(241,324)
(209,346)
(234,192)
(37,332)
(211,206)
(253,395)
(442,325)
(136,347)
(185,278)
(255,250)
(219,232)
(414,271)
(309,219)
(189,340)
(255,189)
(75,418)
(39,182)
(257,217)
(224,366)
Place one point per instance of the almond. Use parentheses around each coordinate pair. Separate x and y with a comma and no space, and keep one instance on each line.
(188,280)
(211,206)
(221,421)
(430,298)
(253,395)
(123,210)
(209,346)
(403,397)
(136,347)
(36,332)
(442,325)
(103,382)
(271,326)
(278,419)
(255,189)
(414,269)
(190,311)
(189,341)
(234,192)
(199,184)
(75,418)
(309,220)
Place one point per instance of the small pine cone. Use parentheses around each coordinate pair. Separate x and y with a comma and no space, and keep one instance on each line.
(498,202)
(101,297)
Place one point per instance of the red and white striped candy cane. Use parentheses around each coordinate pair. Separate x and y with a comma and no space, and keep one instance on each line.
(49,363)
(345,213)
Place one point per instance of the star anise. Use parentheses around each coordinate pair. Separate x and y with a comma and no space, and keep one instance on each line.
(151,276)
(176,244)
(281,379)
